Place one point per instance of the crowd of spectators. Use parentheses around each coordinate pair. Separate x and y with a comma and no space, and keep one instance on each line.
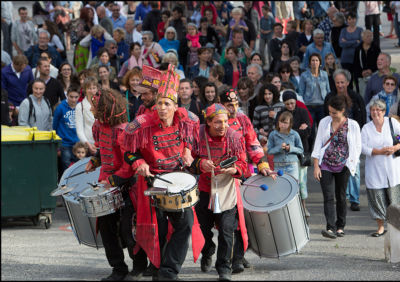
(280,56)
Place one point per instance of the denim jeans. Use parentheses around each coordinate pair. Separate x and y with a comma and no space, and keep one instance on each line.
(67,157)
(333,186)
(353,188)
(288,168)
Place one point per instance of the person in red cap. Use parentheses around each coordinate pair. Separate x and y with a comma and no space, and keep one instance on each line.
(148,88)
(220,199)
(242,124)
(159,142)
(109,109)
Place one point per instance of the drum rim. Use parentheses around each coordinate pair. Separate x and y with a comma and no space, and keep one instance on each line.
(195,184)
(108,191)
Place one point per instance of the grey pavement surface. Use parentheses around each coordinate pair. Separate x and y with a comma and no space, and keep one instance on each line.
(33,253)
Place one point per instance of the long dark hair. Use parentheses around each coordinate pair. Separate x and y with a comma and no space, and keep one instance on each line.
(340,103)
(110,107)
(271,88)
(73,79)
(202,95)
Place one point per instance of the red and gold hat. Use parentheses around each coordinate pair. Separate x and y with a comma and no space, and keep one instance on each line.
(151,78)
(169,84)
(213,110)
(229,96)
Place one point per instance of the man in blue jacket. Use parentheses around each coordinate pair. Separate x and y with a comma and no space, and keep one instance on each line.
(15,79)
(65,126)
(33,53)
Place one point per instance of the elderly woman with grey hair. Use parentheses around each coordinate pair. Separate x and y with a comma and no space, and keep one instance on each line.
(152,52)
(382,177)
(170,40)
(357,112)
(171,57)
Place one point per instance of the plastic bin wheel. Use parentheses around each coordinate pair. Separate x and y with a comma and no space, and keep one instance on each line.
(44,221)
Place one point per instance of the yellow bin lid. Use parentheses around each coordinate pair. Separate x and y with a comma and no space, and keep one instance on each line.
(20,133)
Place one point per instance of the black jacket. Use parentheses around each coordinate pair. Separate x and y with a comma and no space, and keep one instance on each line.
(357,111)
(360,65)
(151,21)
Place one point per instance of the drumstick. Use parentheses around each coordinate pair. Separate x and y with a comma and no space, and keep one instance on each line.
(262,186)
(279,173)
(162,179)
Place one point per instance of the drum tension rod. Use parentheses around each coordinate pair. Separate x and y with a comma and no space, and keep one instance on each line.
(182,192)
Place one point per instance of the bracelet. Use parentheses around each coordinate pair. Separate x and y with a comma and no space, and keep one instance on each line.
(262,165)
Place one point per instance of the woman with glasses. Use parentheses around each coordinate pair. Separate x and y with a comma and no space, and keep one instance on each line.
(152,52)
(382,177)
(170,40)
(286,73)
(66,77)
(387,95)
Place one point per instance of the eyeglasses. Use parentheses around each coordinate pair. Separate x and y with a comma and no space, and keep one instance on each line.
(390,84)
(285,71)
(66,69)
(113,47)
(145,38)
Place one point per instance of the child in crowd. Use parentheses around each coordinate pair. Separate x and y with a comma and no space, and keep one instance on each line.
(285,143)
(330,67)
(65,126)
(237,21)
(266,30)
(80,150)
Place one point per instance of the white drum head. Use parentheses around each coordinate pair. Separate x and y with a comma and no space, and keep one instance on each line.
(180,181)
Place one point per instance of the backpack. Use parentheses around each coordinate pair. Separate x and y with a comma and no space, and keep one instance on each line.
(32,110)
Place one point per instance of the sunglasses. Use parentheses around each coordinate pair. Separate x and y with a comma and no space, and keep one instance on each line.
(390,84)
(285,71)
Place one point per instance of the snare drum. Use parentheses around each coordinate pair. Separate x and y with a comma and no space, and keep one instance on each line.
(182,193)
(83,227)
(98,201)
(275,218)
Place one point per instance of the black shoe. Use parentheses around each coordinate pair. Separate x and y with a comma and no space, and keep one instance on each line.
(149,270)
(246,263)
(136,273)
(355,207)
(340,233)
(328,234)
(206,263)
(115,276)
(237,267)
(224,277)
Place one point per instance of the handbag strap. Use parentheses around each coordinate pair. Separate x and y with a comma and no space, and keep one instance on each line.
(334,133)
(392,131)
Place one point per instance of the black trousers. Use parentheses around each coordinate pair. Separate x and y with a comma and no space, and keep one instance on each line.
(116,233)
(173,252)
(226,222)
(238,252)
(334,185)
(373,21)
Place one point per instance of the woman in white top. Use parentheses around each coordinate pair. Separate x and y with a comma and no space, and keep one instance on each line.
(336,153)
(84,117)
(382,168)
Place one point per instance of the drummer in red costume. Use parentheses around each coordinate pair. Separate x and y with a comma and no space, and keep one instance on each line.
(159,142)
(148,89)
(219,187)
(242,124)
(109,111)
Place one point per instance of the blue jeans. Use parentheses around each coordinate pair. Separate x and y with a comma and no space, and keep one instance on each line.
(288,168)
(353,187)
(67,157)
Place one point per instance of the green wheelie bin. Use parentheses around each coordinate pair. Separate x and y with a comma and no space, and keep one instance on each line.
(28,173)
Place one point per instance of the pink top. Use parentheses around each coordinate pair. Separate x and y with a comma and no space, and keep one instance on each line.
(371,8)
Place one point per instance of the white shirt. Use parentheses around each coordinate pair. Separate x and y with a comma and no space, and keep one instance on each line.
(353,141)
(381,171)
(137,36)
(84,121)
(18,74)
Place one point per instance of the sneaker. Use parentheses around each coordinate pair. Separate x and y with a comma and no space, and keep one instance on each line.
(206,263)
(149,270)
(136,273)
(115,276)
(355,207)
(237,268)
(246,263)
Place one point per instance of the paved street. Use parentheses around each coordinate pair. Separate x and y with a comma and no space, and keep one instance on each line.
(32,253)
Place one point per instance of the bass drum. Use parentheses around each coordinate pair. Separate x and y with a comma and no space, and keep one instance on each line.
(275,219)
(83,226)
